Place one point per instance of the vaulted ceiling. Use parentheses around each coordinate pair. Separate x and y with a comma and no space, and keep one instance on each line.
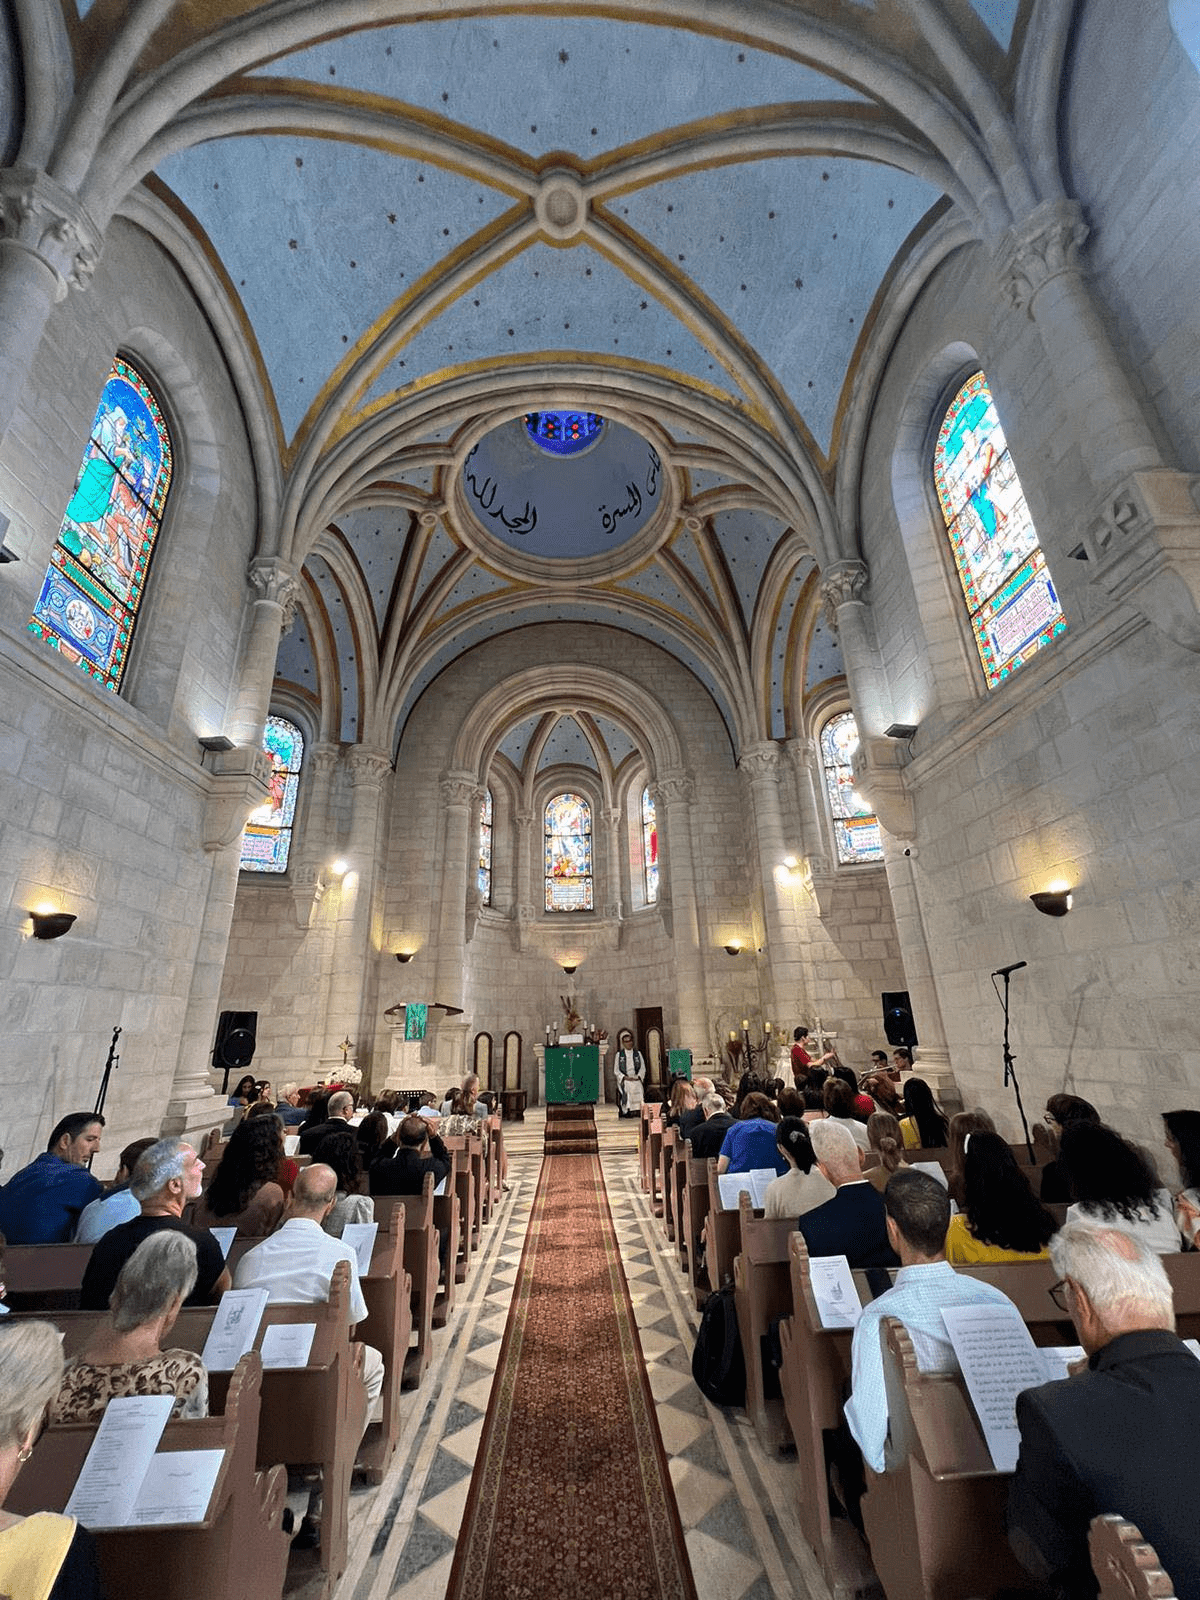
(411,227)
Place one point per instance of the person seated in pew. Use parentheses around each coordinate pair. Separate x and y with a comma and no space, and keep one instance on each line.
(802,1187)
(340,1153)
(924,1128)
(246,1092)
(53,1552)
(41,1204)
(1114,1186)
(1061,1109)
(374,1138)
(1120,1435)
(883,1092)
(288,1108)
(708,1136)
(693,1117)
(341,1109)
(244,1192)
(118,1205)
(1000,1219)
(1182,1129)
(295,1266)
(418,1150)
(125,1356)
(917,1213)
(853,1224)
(681,1103)
(285,1175)
(883,1130)
(750,1146)
(838,1100)
(166,1177)
(962,1125)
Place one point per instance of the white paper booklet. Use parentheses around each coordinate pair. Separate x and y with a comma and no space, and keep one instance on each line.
(106,1490)
(287,1344)
(998,1359)
(732,1184)
(837,1299)
(234,1328)
(932,1169)
(360,1236)
(177,1487)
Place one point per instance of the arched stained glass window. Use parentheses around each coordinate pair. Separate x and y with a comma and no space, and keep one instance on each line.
(568,836)
(97,573)
(485,848)
(1011,598)
(267,840)
(855,827)
(649,847)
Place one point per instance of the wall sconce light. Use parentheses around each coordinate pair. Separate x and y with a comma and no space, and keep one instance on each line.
(901,730)
(50,924)
(791,862)
(339,868)
(1052,902)
(215,743)
(734,949)
(405,956)
(570,968)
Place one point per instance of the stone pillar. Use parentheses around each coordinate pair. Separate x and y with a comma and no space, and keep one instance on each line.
(1141,535)
(308,883)
(48,244)
(525,903)
(843,587)
(458,791)
(785,963)
(348,976)
(931,1059)
(275,583)
(613,900)
(817,866)
(673,794)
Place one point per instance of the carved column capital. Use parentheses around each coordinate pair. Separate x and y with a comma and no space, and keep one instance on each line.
(367,767)
(458,788)
(39,215)
(1038,248)
(841,583)
(612,815)
(523,819)
(323,758)
(274,581)
(759,761)
(803,754)
(671,787)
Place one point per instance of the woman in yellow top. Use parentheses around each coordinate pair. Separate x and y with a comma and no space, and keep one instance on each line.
(1001,1220)
(924,1127)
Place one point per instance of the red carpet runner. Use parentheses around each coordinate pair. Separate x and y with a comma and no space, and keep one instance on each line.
(570,1496)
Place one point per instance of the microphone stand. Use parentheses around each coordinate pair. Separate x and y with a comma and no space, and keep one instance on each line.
(1010,1071)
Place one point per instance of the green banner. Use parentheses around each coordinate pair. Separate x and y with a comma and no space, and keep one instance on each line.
(416,1015)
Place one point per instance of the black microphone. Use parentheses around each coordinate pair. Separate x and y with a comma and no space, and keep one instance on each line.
(1003,972)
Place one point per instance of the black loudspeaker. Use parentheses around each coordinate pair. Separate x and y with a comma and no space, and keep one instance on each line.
(898,1019)
(237,1036)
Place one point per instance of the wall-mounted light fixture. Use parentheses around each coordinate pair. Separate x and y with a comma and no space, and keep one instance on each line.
(791,862)
(215,743)
(734,948)
(50,924)
(339,868)
(569,967)
(901,730)
(1053,902)
(405,956)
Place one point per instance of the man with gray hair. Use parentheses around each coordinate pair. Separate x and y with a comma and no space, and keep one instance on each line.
(1119,1436)
(708,1136)
(339,1111)
(166,1177)
(854,1223)
(694,1118)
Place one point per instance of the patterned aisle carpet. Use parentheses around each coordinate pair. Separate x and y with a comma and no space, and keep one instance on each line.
(570,1493)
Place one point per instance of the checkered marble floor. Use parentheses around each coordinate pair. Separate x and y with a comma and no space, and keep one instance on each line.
(736,1505)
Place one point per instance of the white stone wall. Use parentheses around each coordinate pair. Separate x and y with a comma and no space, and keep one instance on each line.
(102,797)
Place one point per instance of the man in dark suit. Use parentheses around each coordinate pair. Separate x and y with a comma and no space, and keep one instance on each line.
(708,1138)
(341,1109)
(419,1151)
(1120,1436)
(854,1223)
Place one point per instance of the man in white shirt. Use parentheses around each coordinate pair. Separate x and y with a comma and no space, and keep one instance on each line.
(918,1214)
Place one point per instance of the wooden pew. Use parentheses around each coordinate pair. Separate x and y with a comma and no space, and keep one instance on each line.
(1126,1567)
(446,1215)
(666,1182)
(654,1134)
(683,1151)
(45,1277)
(498,1161)
(387,1289)
(936,1523)
(421,1264)
(643,1135)
(722,1234)
(239,1549)
(762,1291)
(695,1214)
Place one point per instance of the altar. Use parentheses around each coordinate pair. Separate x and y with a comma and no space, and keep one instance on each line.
(572,1074)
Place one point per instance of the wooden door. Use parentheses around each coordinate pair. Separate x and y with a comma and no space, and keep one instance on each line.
(651,1041)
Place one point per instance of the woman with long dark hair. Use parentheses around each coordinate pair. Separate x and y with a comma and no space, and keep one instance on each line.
(1183,1141)
(245,1192)
(340,1151)
(802,1187)
(1114,1186)
(962,1125)
(924,1127)
(1061,1109)
(1000,1219)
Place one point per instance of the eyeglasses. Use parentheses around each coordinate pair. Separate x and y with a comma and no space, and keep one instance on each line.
(1058,1293)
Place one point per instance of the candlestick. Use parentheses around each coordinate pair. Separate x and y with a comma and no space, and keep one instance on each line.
(767,1026)
(745,1024)
(733,1036)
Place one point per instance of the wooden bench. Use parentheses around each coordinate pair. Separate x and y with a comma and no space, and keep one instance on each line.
(45,1277)
(654,1134)
(1126,1567)
(683,1151)
(239,1548)
(695,1213)
(446,1215)
(666,1182)
(722,1233)
(387,1289)
(469,1184)
(762,1291)
(421,1264)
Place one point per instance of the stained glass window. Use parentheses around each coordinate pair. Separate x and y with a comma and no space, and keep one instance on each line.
(649,847)
(855,828)
(97,573)
(267,840)
(485,848)
(563,433)
(1011,598)
(568,835)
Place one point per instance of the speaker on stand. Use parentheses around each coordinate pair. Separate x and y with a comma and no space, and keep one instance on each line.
(237,1038)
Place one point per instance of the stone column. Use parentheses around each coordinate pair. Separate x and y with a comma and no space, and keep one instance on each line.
(48,244)
(308,884)
(613,899)
(525,903)
(931,1059)
(1141,535)
(239,783)
(673,794)
(843,590)
(348,977)
(785,962)
(817,865)
(458,791)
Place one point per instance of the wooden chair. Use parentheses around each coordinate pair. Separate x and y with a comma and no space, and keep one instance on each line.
(695,1212)
(481,1059)
(239,1548)
(762,1291)
(512,1096)
(1126,1567)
